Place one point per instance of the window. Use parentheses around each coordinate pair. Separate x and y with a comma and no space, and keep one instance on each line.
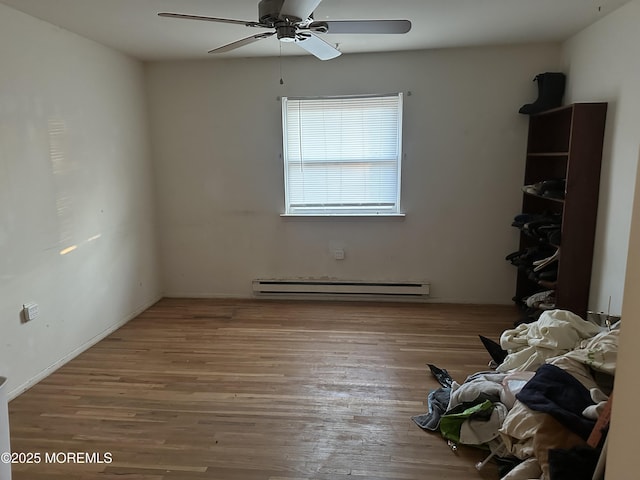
(342,155)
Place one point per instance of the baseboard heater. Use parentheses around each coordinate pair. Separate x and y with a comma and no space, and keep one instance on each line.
(340,288)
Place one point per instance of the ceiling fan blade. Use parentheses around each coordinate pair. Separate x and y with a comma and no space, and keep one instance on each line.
(246,23)
(301,9)
(318,47)
(363,26)
(241,43)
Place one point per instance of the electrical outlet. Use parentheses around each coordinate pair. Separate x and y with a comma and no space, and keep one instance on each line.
(30,311)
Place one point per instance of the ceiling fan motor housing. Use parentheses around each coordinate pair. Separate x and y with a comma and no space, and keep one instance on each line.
(286,33)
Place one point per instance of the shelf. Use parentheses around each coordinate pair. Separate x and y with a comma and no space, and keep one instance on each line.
(548,154)
(551,199)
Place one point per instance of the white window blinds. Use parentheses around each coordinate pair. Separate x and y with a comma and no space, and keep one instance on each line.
(342,155)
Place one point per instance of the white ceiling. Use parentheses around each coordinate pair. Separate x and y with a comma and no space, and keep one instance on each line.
(133,27)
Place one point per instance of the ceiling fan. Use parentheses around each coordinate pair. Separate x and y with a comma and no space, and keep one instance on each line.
(292,21)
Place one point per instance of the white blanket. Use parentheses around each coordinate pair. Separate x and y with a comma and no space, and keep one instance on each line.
(556,332)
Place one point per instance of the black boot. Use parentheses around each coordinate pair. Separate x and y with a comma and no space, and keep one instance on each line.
(550,92)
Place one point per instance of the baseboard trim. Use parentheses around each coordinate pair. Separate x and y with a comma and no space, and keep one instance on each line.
(205,296)
(74,353)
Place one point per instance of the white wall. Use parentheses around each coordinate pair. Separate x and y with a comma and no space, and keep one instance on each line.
(216,130)
(603,64)
(74,171)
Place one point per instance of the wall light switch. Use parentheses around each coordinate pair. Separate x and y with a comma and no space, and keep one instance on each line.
(31,311)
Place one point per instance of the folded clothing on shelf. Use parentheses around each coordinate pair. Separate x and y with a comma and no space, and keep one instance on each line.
(554,188)
(549,274)
(543,227)
(535,304)
(526,257)
(523,219)
(545,262)
(544,300)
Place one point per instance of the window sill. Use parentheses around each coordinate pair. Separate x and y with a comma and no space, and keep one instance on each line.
(343,215)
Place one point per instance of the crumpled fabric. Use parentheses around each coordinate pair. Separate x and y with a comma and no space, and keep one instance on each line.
(519,429)
(599,353)
(556,332)
(594,411)
(577,463)
(527,470)
(477,388)
(437,400)
(479,432)
(552,434)
(578,370)
(451,422)
(513,383)
(558,393)
(475,414)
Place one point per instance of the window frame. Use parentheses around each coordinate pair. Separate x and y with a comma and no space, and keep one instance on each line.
(394,210)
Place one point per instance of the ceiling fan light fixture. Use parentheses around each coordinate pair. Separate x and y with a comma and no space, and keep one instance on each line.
(286,33)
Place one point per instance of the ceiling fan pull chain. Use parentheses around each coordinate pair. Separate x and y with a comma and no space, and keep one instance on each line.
(280,60)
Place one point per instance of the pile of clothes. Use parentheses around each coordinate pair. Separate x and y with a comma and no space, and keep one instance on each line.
(537,409)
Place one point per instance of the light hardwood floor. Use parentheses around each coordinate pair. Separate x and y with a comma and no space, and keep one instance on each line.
(225,389)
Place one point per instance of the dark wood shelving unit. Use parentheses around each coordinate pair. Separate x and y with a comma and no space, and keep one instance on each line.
(566,142)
